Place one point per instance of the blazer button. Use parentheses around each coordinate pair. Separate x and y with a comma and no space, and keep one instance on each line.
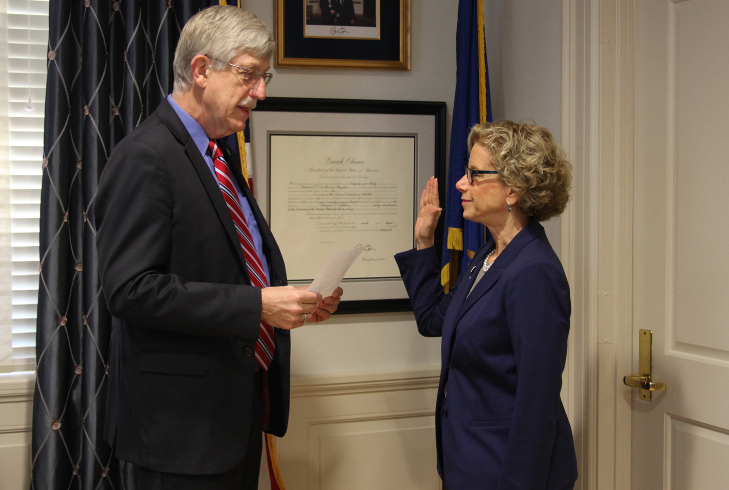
(248,352)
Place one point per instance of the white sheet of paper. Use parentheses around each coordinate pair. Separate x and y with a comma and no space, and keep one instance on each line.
(335,267)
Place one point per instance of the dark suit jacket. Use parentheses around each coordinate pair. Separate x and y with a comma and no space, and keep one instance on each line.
(326,7)
(500,423)
(185,317)
(346,11)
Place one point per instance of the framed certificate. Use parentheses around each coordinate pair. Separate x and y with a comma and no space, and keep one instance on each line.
(336,174)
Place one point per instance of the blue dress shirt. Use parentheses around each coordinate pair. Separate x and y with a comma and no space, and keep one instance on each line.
(201,141)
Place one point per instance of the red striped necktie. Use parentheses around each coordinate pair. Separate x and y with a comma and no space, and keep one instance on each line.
(265,346)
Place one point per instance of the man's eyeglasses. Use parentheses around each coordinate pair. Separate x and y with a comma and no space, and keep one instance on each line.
(249,75)
(471,172)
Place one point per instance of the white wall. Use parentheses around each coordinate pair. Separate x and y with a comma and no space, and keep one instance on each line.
(524,42)
(524,50)
(524,45)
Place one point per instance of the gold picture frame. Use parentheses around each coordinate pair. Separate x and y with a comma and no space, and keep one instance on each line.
(389,49)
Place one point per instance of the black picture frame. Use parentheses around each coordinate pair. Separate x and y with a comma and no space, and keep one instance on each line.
(390,51)
(275,113)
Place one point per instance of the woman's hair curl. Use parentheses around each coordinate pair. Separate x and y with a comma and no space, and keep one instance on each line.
(530,162)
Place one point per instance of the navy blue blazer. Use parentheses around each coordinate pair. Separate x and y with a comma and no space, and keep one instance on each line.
(500,422)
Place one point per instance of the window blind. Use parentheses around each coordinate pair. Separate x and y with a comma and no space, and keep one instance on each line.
(27,37)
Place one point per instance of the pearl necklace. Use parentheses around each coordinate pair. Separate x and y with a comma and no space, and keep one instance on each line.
(486,266)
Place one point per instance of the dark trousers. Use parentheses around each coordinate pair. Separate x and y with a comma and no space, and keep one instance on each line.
(242,477)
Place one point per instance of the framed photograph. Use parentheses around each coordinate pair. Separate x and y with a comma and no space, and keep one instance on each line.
(334,174)
(371,34)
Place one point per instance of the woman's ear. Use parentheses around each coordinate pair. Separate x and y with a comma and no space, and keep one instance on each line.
(200,66)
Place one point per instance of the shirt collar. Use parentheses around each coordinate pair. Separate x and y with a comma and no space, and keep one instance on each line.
(193,127)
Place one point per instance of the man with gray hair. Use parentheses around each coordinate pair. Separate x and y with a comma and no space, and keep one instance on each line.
(193,277)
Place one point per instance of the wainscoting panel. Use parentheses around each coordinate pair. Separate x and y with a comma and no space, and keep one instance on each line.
(365,431)
(15,460)
(16,411)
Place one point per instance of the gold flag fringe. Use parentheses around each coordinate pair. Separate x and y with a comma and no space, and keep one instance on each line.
(445,277)
(455,238)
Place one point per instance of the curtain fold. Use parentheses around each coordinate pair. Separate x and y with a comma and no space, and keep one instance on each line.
(109,66)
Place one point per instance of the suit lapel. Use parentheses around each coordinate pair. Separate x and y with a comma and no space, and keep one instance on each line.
(168,115)
(454,310)
(531,231)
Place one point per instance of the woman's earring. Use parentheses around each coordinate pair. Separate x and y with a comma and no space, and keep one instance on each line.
(508,204)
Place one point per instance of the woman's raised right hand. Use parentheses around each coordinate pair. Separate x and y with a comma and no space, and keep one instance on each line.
(428,216)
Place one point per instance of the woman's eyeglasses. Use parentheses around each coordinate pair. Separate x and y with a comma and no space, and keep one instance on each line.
(470,172)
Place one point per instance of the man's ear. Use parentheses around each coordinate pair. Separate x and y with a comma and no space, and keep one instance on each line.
(200,66)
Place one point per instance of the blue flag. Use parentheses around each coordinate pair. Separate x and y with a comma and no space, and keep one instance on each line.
(472,105)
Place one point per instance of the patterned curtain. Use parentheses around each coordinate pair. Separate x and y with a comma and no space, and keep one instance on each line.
(109,66)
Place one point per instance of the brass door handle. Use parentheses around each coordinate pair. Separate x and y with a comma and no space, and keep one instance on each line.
(644,381)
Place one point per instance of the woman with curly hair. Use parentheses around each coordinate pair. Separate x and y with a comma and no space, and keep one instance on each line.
(500,422)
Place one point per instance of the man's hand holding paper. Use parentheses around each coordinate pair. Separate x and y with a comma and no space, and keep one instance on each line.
(325,307)
(328,279)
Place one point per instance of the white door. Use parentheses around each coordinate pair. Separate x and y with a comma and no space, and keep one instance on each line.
(680,441)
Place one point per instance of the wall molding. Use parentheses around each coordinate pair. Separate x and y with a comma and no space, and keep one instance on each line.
(579,228)
(365,382)
(17,385)
(19,430)
(597,233)
(407,414)
(21,397)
